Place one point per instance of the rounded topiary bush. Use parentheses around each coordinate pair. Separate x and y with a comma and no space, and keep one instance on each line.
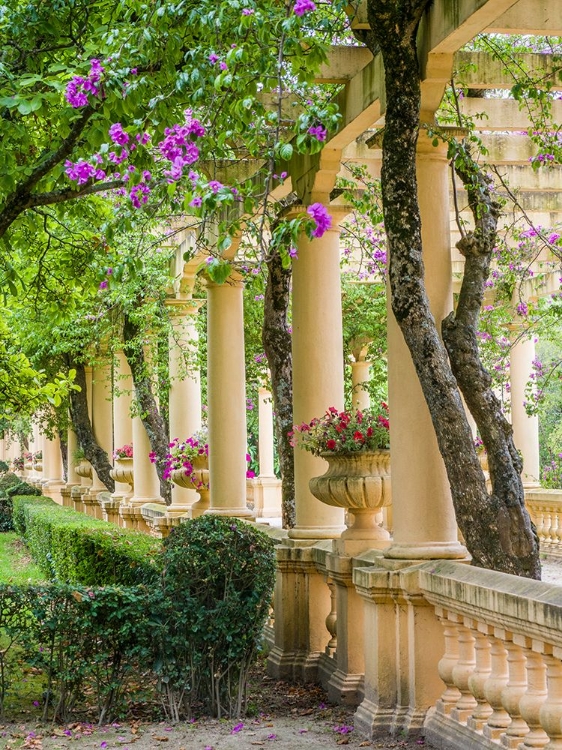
(217,584)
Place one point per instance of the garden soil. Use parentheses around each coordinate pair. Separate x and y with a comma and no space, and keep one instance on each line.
(286,717)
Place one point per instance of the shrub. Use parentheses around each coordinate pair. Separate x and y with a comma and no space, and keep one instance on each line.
(82,641)
(8,480)
(6,505)
(217,584)
(23,488)
(20,505)
(73,548)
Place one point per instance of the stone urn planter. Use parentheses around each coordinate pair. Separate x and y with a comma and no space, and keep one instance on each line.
(37,465)
(198,481)
(359,482)
(84,469)
(123,472)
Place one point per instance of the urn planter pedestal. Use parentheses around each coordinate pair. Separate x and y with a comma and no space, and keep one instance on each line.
(359,482)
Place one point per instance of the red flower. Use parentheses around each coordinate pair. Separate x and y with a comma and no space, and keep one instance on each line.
(369,431)
(384,422)
(358,436)
(331,445)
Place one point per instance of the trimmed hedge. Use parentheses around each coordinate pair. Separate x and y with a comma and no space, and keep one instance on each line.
(11,485)
(73,548)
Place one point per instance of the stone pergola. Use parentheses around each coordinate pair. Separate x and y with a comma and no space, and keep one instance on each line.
(381,604)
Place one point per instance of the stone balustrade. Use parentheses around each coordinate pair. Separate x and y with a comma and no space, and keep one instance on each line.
(501,662)
(545,507)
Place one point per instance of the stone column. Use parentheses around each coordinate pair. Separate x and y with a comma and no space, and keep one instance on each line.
(360,374)
(185,388)
(72,479)
(102,424)
(52,468)
(122,435)
(317,369)
(302,598)
(525,427)
(122,420)
(267,488)
(226,387)
(145,481)
(423,516)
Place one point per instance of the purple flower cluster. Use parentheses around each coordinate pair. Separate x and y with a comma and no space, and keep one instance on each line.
(319,132)
(178,147)
(79,87)
(323,220)
(82,171)
(302,7)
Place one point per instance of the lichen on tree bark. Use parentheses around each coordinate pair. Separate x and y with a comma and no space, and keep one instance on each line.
(276,339)
(496,526)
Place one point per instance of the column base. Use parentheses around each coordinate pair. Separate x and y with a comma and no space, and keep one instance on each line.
(315,532)
(346,689)
(52,489)
(427,551)
(66,494)
(372,720)
(76,498)
(297,666)
(267,497)
(110,509)
(233,512)
(91,505)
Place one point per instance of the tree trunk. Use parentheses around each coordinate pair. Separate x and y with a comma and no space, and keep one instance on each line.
(276,339)
(493,526)
(150,415)
(460,336)
(83,427)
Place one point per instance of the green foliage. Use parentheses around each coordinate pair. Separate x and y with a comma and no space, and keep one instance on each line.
(87,638)
(6,505)
(81,641)
(71,547)
(21,505)
(217,585)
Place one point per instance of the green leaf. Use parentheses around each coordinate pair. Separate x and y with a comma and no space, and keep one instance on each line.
(285,151)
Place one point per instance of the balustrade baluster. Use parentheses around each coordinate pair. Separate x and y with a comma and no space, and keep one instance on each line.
(331,621)
(547,523)
(553,535)
(451,695)
(477,680)
(498,720)
(512,694)
(538,518)
(550,713)
(461,673)
(536,694)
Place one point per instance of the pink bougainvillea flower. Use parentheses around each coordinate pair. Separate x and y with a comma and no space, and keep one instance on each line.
(303,6)
(319,132)
(118,135)
(322,218)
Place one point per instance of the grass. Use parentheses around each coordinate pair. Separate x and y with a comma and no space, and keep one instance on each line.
(15,564)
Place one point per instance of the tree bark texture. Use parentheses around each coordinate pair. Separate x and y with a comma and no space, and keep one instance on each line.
(150,414)
(459,334)
(276,339)
(492,525)
(83,428)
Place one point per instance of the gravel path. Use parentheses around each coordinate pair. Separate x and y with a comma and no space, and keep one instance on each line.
(281,733)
